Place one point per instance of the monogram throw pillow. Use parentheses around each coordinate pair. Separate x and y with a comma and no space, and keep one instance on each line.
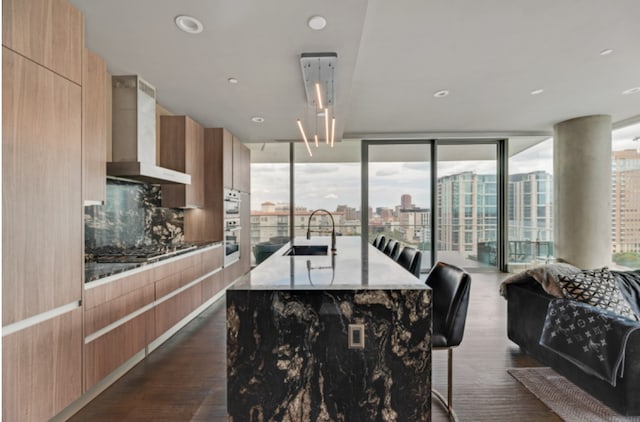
(597,288)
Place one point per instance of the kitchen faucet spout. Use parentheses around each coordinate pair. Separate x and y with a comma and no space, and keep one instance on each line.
(333,228)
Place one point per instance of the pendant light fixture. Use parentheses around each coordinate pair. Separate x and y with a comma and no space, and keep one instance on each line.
(318,73)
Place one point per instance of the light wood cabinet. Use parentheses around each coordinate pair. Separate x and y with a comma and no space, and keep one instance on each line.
(182,149)
(175,275)
(109,351)
(136,309)
(49,32)
(96,84)
(226,165)
(226,143)
(41,189)
(241,166)
(41,368)
(245,241)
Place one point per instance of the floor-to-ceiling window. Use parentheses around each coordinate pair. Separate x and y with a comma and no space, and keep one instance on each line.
(625,196)
(269,199)
(399,194)
(328,180)
(441,196)
(467,204)
(530,206)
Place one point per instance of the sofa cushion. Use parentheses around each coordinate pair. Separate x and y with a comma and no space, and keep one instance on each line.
(597,288)
(629,284)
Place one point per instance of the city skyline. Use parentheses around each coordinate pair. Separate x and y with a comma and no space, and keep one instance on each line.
(333,184)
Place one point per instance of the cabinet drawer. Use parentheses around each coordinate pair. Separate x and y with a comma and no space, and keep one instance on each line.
(107,313)
(211,285)
(106,353)
(107,292)
(176,266)
(174,309)
(212,259)
(177,280)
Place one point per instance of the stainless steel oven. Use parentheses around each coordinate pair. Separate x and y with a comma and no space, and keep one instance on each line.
(231,240)
(231,204)
(232,227)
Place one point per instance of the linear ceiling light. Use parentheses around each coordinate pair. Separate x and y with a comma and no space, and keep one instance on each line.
(304,137)
(333,130)
(318,72)
(319,95)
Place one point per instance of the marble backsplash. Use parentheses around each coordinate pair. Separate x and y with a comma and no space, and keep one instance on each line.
(132,216)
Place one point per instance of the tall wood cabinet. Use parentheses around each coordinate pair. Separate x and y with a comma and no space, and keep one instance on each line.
(96,88)
(182,149)
(42,207)
(241,165)
(49,32)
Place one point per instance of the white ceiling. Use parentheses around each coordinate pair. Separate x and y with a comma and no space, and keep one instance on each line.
(392,57)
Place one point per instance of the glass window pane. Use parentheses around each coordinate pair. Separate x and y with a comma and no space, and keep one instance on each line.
(467,178)
(625,196)
(269,199)
(330,180)
(530,204)
(400,195)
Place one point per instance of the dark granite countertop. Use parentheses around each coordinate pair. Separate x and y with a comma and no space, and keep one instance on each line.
(351,268)
(95,271)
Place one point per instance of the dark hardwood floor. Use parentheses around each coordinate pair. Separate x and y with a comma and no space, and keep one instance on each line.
(185,378)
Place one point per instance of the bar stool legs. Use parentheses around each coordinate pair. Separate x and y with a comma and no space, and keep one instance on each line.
(448,404)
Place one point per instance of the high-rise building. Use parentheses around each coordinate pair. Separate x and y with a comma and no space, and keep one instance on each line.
(530,206)
(350,213)
(625,201)
(467,211)
(405,202)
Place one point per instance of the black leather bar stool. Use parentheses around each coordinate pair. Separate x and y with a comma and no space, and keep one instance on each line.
(410,258)
(378,240)
(450,297)
(392,249)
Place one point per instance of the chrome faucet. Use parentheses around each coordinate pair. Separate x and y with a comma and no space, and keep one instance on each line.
(333,229)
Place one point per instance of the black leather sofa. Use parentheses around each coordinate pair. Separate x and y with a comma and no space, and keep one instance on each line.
(526,311)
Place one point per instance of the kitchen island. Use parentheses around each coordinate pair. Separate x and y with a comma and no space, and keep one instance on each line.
(344,337)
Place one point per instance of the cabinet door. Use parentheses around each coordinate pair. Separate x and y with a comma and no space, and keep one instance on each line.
(195,163)
(227,159)
(41,189)
(245,233)
(42,368)
(241,166)
(106,353)
(94,128)
(182,149)
(206,224)
(49,32)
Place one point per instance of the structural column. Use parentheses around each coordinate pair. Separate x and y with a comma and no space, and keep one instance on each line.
(582,191)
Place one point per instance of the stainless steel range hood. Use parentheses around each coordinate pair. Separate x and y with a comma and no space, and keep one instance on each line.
(134,134)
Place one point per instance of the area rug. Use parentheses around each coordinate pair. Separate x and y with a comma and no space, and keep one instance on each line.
(564,398)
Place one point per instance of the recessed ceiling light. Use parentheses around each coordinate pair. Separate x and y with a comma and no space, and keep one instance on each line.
(232,80)
(257,119)
(633,90)
(189,24)
(317,22)
(441,93)
(537,91)
(606,52)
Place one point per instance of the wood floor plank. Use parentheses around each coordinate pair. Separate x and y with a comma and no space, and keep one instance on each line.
(185,378)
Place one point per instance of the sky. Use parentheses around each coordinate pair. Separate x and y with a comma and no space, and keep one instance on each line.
(327,185)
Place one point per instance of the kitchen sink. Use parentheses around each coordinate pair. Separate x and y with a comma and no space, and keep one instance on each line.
(307,250)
